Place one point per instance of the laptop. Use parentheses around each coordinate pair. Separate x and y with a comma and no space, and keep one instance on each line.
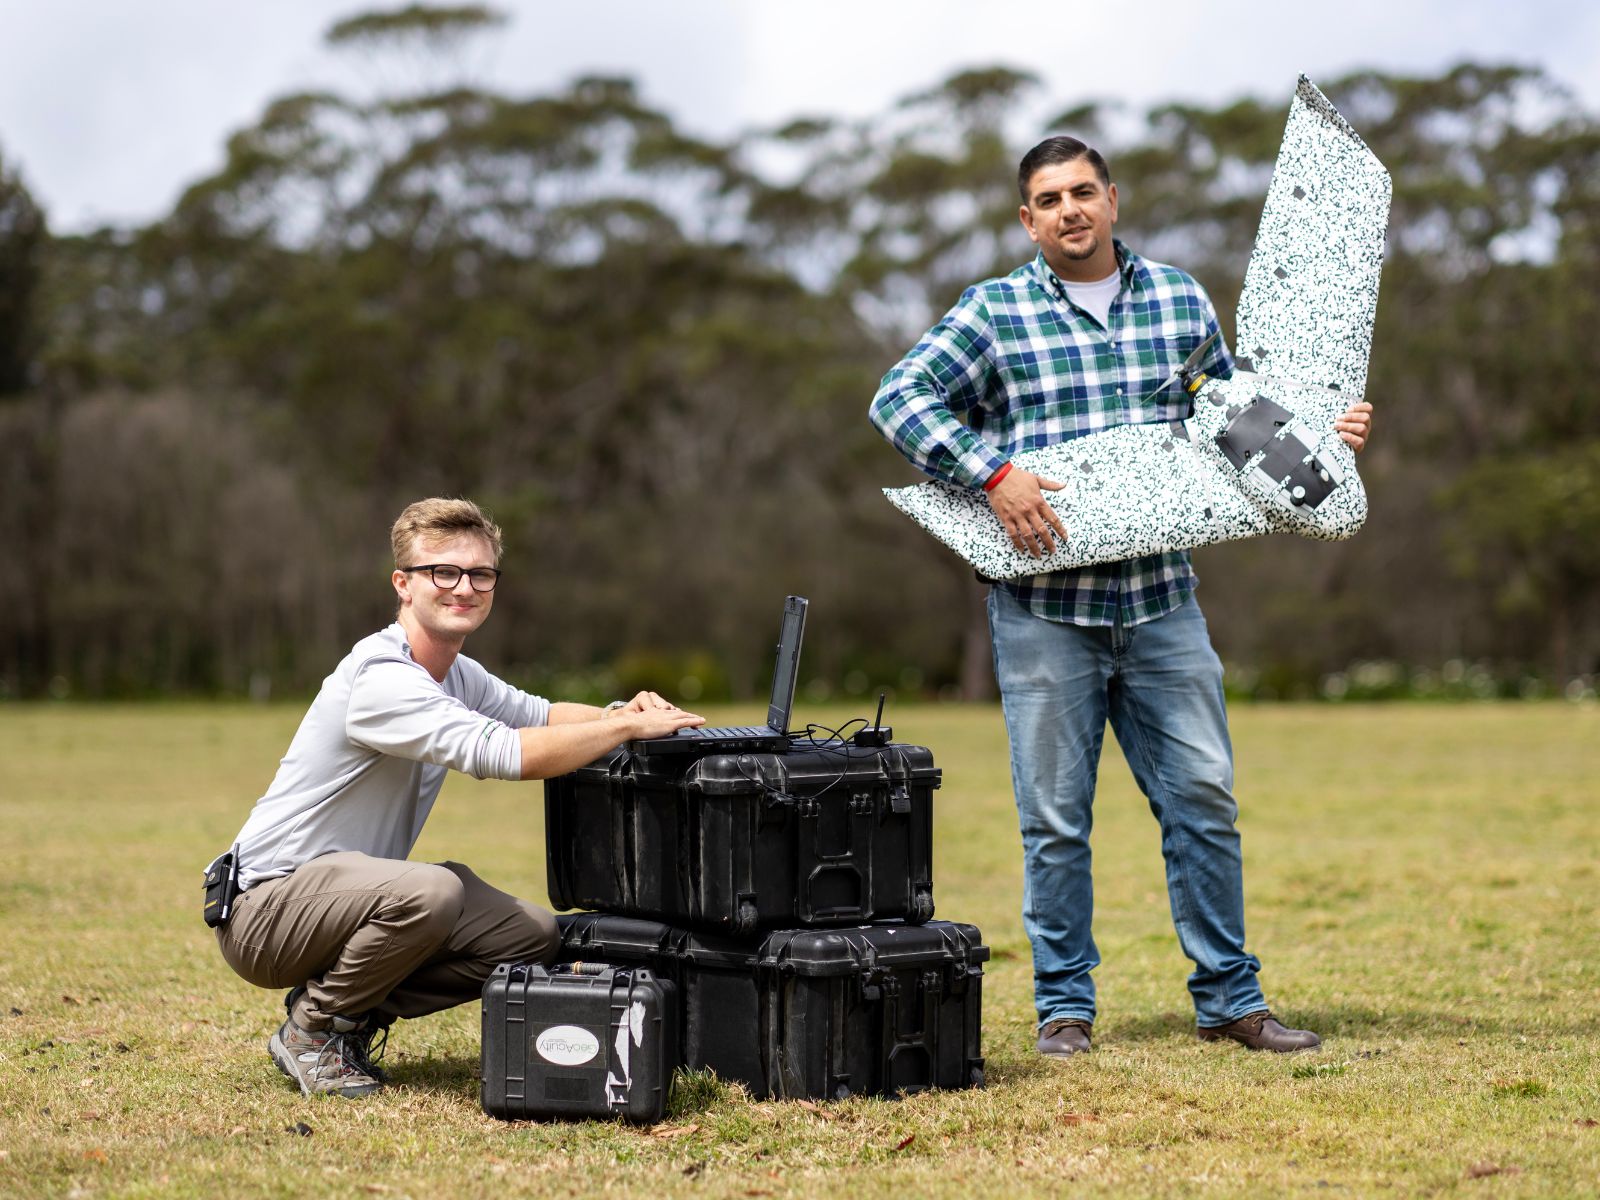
(736,739)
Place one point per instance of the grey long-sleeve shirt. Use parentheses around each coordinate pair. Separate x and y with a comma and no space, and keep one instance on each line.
(369,758)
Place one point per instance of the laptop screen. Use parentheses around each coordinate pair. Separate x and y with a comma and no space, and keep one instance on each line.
(788,665)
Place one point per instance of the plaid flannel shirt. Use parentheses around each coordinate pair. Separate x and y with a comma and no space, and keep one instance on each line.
(1015,365)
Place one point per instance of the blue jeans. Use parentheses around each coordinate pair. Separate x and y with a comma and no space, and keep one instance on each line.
(1160,684)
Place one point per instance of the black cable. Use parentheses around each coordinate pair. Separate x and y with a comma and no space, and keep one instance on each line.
(809,735)
(844,748)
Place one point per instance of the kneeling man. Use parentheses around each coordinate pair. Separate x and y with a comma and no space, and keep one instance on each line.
(330,907)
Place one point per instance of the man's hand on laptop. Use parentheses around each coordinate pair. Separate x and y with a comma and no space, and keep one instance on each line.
(643,702)
(660,716)
(555,749)
(658,721)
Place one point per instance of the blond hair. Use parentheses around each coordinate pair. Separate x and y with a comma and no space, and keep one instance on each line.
(438,519)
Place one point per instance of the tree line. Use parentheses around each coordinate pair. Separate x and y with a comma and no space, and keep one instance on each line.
(649,355)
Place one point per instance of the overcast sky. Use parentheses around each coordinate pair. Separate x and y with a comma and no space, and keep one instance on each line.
(112,107)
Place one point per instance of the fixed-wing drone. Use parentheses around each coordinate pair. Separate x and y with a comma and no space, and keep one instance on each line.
(1259,454)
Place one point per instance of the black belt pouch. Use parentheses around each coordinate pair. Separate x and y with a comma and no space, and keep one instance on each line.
(222,888)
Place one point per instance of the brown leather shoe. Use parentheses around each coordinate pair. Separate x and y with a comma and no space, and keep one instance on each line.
(1064,1037)
(1261,1031)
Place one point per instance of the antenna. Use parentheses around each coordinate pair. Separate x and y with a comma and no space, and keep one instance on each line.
(876,734)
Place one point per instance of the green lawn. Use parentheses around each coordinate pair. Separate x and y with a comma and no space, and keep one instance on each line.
(1422,888)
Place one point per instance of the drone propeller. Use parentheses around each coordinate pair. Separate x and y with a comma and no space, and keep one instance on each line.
(1185,374)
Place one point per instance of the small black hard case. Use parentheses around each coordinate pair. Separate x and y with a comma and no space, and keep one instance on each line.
(827,834)
(586,1041)
(821,1013)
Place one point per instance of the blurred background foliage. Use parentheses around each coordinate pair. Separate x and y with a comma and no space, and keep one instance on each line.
(649,355)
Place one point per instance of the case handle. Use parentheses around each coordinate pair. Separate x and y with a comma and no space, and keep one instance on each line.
(921,1046)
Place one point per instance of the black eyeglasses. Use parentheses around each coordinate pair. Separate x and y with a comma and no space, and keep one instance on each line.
(448,575)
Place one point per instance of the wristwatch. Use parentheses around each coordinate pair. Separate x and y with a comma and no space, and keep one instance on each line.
(616,704)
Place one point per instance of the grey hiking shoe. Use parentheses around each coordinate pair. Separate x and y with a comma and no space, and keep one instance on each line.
(326,1061)
(372,1036)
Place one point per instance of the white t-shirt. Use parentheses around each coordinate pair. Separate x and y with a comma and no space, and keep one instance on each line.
(1096,298)
(372,752)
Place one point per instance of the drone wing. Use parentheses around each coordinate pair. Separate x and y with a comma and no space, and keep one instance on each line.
(1311,289)
(1260,453)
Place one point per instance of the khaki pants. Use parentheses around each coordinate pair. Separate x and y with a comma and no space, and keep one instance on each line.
(380,935)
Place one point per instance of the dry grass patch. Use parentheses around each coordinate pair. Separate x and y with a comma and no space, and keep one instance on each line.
(1421,888)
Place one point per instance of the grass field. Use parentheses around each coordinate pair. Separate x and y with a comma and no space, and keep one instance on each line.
(1422,888)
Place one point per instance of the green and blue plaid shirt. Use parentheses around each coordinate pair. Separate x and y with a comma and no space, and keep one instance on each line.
(1015,365)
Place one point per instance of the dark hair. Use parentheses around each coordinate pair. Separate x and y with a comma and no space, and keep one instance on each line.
(1055,150)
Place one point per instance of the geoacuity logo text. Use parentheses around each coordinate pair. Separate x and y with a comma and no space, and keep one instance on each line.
(567,1045)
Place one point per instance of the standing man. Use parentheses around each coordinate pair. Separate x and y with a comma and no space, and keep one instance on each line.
(1074,342)
(330,906)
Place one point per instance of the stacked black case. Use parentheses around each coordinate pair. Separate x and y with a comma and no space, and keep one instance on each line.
(822,1013)
(829,834)
(787,900)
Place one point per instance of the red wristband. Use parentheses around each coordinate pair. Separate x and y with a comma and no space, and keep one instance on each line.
(997,477)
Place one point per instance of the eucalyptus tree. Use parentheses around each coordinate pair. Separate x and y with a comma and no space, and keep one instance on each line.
(22,243)
(649,353)
(543,301)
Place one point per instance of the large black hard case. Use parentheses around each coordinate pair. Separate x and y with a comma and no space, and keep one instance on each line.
(828,833)
(600,1042)
(822,1013)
